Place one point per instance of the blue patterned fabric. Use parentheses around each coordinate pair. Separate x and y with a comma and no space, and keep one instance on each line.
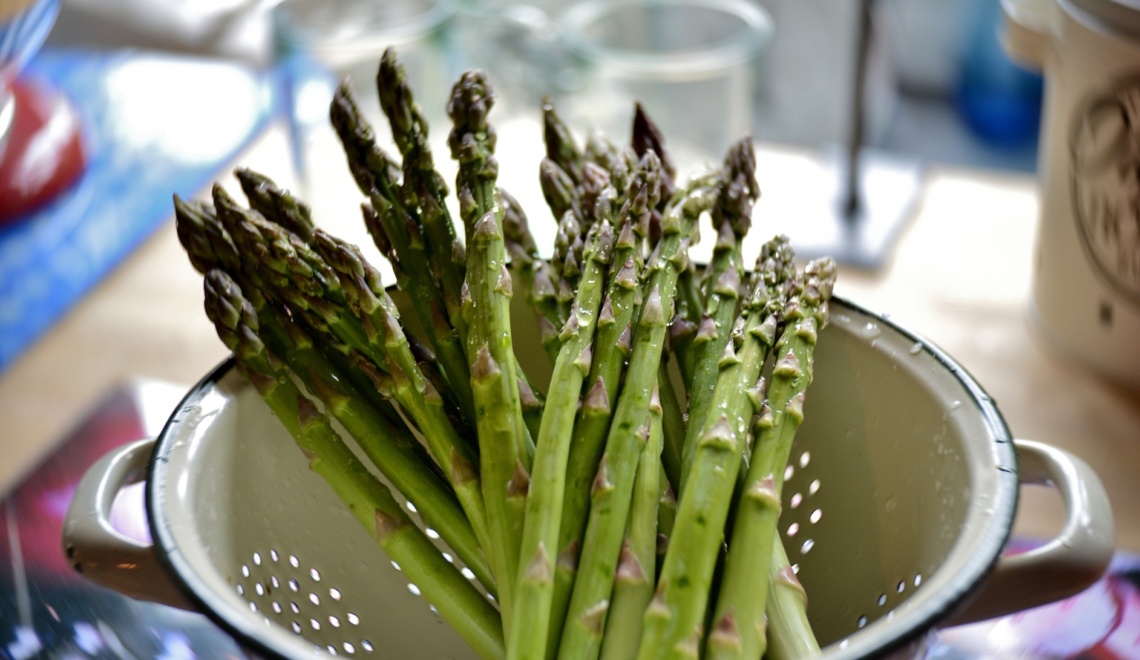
(155,125)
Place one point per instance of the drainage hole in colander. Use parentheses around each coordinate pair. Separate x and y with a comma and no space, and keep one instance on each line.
(793,529)
(882,600)
(902,586)
(276,607)
(314,599)
(807,546)
(395,566)
(334,593)
(297,627)
(314,624)
(805,458)
(315,574)
(353,619)
(412,507)
(813,487)
(294,562)
(334,622)
(467,573)
(862,621)
(413,589)
(815,516)
(296,609)
(448,558)
(431,533)
(789,472)
(294,585)
(797,499)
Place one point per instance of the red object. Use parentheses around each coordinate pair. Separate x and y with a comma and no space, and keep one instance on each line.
(43,152)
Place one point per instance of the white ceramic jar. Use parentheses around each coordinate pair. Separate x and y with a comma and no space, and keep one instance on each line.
(1086,287)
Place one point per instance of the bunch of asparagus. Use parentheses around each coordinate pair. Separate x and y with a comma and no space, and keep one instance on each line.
(629,510)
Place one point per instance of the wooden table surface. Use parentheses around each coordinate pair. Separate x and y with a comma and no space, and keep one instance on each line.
(959,276)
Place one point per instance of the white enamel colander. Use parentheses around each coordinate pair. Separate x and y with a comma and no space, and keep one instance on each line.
(899,498)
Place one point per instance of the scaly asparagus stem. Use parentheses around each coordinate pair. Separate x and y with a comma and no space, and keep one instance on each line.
(674,621)
(423,187)
(720,289)
(611,350)
(544,504)
(371,503)
(636,572)
(711,338)
(343,401)
(275,204)
(416,395)
(734,208)
(744,588)
(397,229)
(646,137)
(585,621)
(525,259)
(672,424)
(790,636)
(561,148)
(209,246)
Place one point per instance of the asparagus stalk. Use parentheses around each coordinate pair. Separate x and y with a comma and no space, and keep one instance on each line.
(416,395)
(790,636)
(745,584)
(646,137)
(611,350)
(585,621)
(636,572)
(373,505)
(397,230)
(209,246)
(503,437)
(561,149)
(544,504)
(423,187)
(721,290)
(674,621)
(275,204)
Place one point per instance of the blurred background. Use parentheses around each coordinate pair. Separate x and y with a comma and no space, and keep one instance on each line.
(939,86)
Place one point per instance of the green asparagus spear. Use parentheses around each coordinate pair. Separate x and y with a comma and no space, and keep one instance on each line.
(441,584)
(636,571)
(601,549)
(745,584)
(423,187)
(503,437)
(674,621)
(416,395)
(561,149)
(544,505)
(398,229)
(790,636)
(611,350)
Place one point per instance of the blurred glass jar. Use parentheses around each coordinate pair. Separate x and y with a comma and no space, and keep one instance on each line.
(320,43)
(693,65)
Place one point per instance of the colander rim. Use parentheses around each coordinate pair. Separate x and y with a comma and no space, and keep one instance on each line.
(904,630)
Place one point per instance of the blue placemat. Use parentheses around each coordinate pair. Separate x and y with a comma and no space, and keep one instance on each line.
(155,124)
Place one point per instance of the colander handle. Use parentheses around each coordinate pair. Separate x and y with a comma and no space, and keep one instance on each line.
(1064,566)
(102,553)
